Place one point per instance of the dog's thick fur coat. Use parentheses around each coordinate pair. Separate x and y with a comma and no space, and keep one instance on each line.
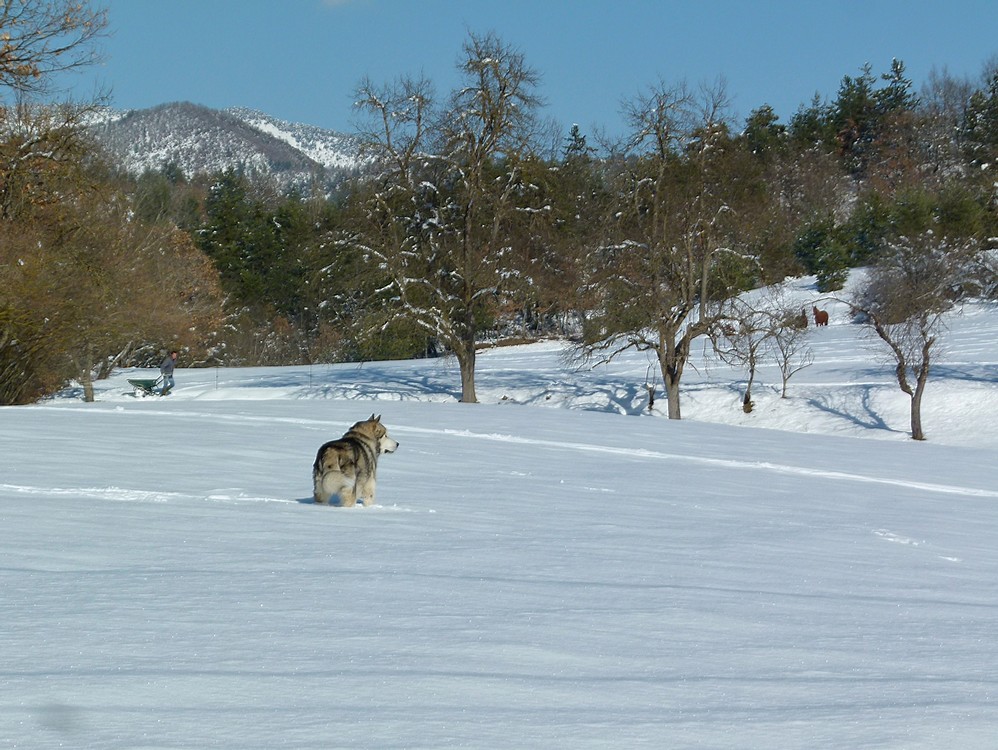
(347,468)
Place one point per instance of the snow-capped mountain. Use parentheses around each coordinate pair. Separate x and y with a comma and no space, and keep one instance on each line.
(334,151)
(201,140)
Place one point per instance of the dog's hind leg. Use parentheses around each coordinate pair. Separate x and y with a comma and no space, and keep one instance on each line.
(318,493)
(348,496)
(366,491)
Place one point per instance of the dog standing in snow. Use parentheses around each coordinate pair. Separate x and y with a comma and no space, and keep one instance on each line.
(347,468)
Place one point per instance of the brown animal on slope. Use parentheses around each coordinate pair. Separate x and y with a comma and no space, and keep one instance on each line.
(820,316)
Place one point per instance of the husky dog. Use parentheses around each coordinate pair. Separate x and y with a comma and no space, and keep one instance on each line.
(347,467)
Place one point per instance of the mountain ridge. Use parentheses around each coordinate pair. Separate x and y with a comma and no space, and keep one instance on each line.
(201,140)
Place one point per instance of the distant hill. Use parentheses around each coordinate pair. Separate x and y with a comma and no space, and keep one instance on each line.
(201,140)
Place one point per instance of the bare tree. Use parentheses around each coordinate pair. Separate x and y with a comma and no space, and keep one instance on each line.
(943,110)
(41,172)
(42,147)
(790,349)
(452,192)
(395,131)
(42,39)
(787,340)
(673,256)
(742,342)
(910,289)
(82,288)
(757,332)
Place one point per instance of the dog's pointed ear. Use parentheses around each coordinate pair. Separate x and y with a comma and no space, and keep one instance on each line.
(373,418)
(377,418)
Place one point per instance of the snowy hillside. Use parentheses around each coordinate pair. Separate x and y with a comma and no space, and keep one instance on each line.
(551,568)
(201,140)
(334,151)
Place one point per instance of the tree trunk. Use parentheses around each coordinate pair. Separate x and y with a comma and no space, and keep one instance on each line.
(916,404)
(672,356)
(671,378)
(747,404)
(88,379)
(466,361)
(916,417)
(88,388)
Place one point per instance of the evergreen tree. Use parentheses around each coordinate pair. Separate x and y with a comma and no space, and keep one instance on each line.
(855,116)
(231,235)
(763,134)
(897,95)
(980,126)
(576,148)
(812,125)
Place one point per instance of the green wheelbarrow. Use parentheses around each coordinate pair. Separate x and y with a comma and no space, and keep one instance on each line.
(147,386)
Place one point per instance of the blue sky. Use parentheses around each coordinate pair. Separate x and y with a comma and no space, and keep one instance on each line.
(301,60)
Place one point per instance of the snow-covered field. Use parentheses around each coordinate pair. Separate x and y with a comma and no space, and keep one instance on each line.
(584,575)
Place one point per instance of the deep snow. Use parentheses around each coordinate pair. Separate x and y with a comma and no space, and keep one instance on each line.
(578,576)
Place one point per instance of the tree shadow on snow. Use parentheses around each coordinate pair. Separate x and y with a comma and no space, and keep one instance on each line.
(969,373)
(395,387)
(617,397)
(872,420)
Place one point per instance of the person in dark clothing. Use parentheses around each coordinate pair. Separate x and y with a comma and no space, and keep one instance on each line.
(166,369)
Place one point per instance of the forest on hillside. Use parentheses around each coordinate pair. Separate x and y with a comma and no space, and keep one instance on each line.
(479,221)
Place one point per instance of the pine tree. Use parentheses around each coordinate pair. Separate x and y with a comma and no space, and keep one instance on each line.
(980,127)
